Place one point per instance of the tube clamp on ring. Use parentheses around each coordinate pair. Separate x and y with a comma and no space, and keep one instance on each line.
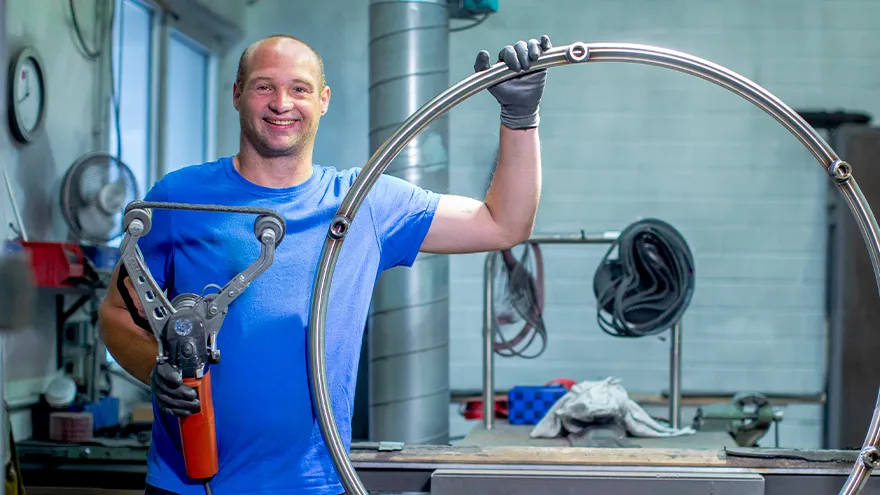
(870,457)
(840,171)
(577,52)
(339,227)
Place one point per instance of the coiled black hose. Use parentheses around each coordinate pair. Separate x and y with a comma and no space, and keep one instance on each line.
(649,286)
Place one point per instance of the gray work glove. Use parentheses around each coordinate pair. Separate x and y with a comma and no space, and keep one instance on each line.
(519,96)
(171,394)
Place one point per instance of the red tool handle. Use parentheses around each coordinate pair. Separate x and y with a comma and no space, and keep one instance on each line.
(198,433)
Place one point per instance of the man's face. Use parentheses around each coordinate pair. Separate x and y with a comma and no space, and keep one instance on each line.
(281,101)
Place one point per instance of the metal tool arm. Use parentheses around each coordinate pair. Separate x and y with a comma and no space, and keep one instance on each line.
(137,223)
(269,229)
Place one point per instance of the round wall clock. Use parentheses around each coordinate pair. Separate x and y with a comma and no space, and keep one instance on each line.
(27,94)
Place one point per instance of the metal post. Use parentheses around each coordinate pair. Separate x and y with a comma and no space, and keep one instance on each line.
(488,345)
(675,376)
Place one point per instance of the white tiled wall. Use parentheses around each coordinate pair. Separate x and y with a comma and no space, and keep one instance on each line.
(624,141)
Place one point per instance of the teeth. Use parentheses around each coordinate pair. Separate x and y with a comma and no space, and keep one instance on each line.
(280,122)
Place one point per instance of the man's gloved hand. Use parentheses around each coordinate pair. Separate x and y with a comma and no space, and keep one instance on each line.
(171,394)
(519,96)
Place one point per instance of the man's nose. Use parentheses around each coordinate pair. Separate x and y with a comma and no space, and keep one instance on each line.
(282,102)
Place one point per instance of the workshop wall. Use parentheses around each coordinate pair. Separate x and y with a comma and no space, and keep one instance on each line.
(625,141)
(35,169)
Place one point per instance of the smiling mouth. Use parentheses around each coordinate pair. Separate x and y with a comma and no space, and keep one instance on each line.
(281,122)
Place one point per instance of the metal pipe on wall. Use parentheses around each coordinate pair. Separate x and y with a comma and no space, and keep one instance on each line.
(409,330)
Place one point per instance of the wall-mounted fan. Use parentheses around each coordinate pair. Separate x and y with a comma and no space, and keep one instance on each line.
(94,193)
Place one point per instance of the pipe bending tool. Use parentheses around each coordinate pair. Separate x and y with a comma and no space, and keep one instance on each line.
(576,53)
(186,327)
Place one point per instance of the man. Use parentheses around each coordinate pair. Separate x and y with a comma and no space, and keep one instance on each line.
(269,440)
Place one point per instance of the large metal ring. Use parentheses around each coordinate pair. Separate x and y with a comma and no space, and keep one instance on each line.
(575,53)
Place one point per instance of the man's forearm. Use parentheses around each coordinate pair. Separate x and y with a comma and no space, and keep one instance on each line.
(513,196)
(132,347)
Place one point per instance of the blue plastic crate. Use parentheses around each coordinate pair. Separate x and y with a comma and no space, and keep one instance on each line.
(105,414)
(528,404)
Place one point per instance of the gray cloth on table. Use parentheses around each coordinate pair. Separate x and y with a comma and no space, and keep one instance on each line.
(604,402)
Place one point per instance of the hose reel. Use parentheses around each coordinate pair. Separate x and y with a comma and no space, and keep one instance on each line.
(838,170)
(647,288)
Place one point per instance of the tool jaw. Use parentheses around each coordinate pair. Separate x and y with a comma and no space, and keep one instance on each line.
(137,223)
(186,328)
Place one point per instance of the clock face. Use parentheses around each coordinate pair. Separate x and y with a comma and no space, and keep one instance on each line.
(28,94)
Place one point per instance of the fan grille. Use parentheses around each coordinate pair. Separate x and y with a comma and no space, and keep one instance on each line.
(94,193)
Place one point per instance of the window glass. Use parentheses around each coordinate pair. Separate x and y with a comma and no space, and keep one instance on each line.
(186,122)
(132,60)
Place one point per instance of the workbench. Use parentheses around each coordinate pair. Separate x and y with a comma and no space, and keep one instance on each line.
(504,434)
(472,469)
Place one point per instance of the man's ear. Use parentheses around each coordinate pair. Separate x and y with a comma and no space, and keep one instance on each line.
(236,94)
(325,100)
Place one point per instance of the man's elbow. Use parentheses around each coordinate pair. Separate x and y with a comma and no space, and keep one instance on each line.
(517,236)
(109,325)
(103,317)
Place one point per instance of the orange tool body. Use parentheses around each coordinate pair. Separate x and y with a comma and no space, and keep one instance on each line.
(186,328)
(198,434)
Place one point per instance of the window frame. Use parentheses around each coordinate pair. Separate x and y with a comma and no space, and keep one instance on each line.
(211,38)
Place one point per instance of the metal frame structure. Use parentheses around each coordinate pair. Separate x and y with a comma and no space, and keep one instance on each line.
(576,53)
(489,335)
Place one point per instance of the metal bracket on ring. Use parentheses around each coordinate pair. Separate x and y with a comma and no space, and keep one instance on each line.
(577,52)
(870,457)
(339,227)
(839,171)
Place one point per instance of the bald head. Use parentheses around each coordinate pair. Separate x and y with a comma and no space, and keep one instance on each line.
(244,60)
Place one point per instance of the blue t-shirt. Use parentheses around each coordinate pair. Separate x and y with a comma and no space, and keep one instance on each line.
(268,436)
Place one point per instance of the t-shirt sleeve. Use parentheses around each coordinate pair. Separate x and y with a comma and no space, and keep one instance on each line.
(157,246)
(402,212)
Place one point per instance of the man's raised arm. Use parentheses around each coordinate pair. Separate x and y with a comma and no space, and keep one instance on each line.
(507,215)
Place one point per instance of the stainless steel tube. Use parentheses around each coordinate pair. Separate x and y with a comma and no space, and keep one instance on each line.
(675,375)
(574,53)
(488,345)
